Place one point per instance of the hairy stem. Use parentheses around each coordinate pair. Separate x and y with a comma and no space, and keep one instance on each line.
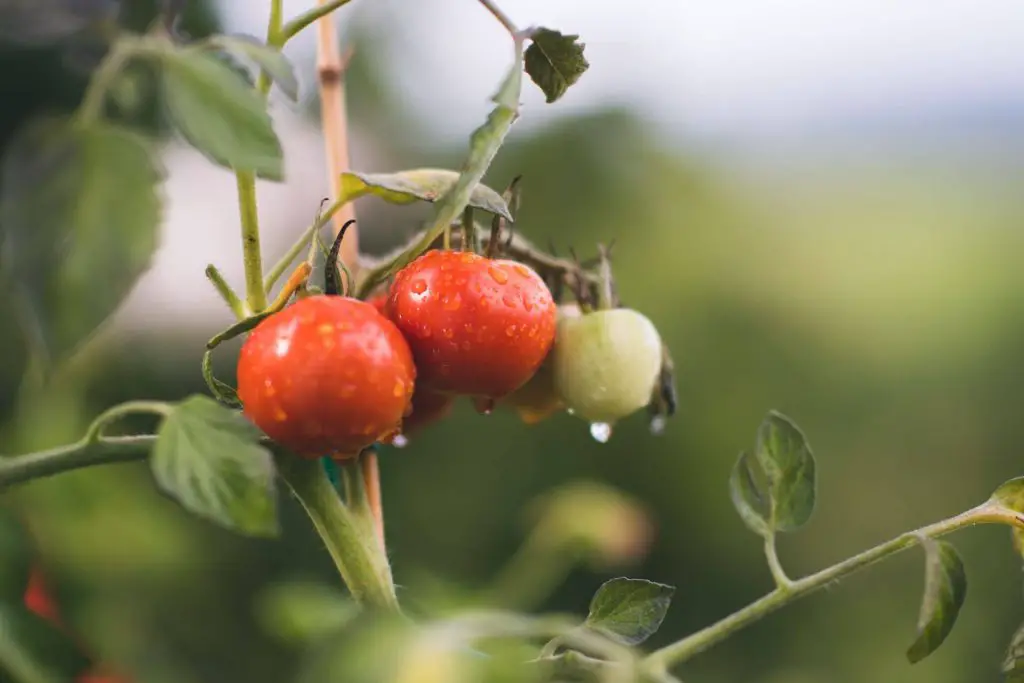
(350,538)
(682,650)
(17,469)
(252,259)
(95,432)
(236,305)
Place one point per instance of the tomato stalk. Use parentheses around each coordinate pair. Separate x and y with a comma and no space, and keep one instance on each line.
(346,530)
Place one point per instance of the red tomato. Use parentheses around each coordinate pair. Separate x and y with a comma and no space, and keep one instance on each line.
(476,326)
(427,406)
(327,375)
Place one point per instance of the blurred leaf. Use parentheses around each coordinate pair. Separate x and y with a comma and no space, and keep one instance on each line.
(1013,664)
(629,609)
(788,464)
(945,587)
(39,22)
(371,649)
(79,213)
(209,458)
(746,497)
(277,66)
(554,61)
(421,184)
(300,612)
(1010,495)
(219,114)
(15,557)
(32,650)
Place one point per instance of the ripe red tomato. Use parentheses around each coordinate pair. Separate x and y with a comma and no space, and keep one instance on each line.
(37,597)
(427,406)
(327,375)
(476,326)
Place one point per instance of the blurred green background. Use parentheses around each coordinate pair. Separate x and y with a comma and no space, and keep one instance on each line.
(878,304)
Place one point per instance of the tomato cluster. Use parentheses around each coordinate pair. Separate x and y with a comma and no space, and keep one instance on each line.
(333,375)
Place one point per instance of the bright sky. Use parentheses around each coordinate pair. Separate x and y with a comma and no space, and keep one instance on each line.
(722,67)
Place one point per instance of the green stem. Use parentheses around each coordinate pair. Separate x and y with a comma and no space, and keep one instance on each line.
(103,78)
(300,22)
(531,575)
(21,468)
(772,555)
(236,305)
(350,539)
(281,267)
(275,24)
(95,432)
(255,295)
(682,650)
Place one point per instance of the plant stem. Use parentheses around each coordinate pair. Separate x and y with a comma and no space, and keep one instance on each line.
(95,432)
(500,16)
(772,555)
(103,78)
(252,259)
(370,470)
(236,305)
(350,538)
(17,469)
(300,22)
(281,267)
(531,575)
(682,650)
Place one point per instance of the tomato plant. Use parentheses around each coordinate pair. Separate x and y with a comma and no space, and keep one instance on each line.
(467,312)
(476,326)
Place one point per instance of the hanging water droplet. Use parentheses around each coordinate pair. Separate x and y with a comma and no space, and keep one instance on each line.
(570,411)
(400,441)
(483,405)
(601,431)
(657,425)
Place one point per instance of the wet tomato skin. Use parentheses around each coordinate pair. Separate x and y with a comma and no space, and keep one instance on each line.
(476,326)
(427,406)
(328,374)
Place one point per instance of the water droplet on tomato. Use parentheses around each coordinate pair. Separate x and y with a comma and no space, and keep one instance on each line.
(483,405)
(448,332)
(451,303)
(601,431)
(521,269)
(419,286)
(510,330)
(498,275)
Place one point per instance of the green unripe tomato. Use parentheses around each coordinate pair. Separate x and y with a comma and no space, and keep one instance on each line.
(606,363)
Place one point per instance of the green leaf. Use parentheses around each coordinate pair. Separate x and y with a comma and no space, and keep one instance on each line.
(272,61)
(300,612)
(788,464)
(631,610)
(1010,495)
(219,114)
(555,61)
(421,184)
(746,497)
(32,649)
(15,557)
(1013,664)
(210,459)
(79,213)
(945,587)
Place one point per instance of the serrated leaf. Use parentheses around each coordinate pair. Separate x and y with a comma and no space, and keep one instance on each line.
(15,557)
(1013,664)
(32,649)
(219,114)
(421,184)
(79,215)
(210,459)
(945,587)
(272,61)
(554,61)
(631,610)
(746,498)
(786,459)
